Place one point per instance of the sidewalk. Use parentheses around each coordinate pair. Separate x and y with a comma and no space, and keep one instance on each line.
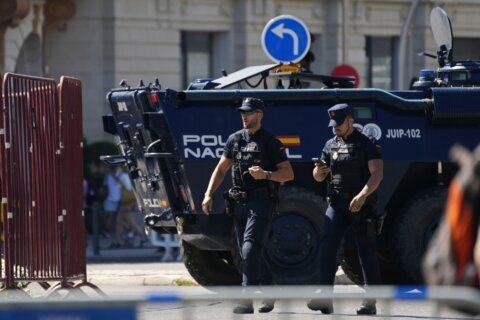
(143,267)
(147,253)
(118,266)
(148,274)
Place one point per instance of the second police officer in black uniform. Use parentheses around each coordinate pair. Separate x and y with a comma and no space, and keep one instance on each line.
(259,164)
(356,168)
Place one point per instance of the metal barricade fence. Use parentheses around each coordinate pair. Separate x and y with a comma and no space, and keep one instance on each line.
(71,169)
(41,176)
(216,304)
(393,302)
(31,179)
(2,175)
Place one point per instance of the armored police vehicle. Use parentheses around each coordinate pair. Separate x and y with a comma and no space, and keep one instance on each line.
(172,140)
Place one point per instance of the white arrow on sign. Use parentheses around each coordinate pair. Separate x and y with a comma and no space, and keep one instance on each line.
(280,31)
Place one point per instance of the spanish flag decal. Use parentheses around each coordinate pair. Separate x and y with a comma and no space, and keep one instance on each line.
(289,141)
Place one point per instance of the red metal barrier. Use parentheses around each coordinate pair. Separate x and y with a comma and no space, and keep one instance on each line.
(2,175)
(71,168)
(42,172)
(31,182)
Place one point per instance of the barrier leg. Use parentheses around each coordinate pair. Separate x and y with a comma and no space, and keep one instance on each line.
(93,287)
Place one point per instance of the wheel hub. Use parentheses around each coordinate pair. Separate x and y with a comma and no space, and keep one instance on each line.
(293,240)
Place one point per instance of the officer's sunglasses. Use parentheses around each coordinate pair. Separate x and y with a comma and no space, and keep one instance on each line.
(249,113)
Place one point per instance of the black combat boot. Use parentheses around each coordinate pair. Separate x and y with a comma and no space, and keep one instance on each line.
(267,306)
(326,307)
(367,308)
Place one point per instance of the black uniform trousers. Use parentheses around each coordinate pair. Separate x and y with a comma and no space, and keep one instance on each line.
(252,220)
(338,219)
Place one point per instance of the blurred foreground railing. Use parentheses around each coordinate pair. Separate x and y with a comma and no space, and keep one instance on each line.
(210,304)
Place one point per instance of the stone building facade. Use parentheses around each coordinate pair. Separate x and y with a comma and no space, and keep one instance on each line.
(104,41)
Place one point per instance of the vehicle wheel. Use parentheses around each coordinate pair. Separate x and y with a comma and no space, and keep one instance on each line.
(414,229)
(210,268)
(292,246)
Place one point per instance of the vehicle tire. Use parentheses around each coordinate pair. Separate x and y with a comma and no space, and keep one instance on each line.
(292,246)
(414,229)
(210,268)
(415,226)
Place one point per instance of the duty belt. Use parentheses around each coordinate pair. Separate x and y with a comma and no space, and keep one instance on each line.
(236,194)
(259,193)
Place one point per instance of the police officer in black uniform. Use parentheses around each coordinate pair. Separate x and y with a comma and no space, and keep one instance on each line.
(355,165)
(259,164)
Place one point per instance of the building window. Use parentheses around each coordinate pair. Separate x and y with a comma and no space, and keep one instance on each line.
(197,55)
(316,50)
(465,48)
(381,54)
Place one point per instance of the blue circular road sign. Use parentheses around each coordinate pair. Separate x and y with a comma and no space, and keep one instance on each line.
(286,39)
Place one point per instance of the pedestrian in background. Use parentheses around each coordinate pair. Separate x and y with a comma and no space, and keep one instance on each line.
(111,203)
(356,168)
(126,227)
(259,164)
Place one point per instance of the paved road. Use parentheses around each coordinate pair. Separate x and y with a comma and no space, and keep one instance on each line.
(219,309)
(127,280)
(137,281)
(151,273)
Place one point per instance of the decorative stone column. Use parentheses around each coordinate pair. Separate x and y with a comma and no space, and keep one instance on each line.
(12,12)
(56,13)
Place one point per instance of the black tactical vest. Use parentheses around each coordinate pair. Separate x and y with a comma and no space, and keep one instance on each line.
(247,154)
(349,164)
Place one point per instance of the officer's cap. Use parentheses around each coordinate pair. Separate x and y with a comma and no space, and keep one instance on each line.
(251,104)
(338,113)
